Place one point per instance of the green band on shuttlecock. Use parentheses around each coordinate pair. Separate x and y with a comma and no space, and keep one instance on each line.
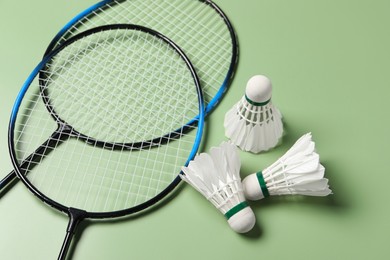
(258,104)
(262,183)
(236,209)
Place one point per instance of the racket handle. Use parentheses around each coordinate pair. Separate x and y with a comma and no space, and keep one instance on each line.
(7,180)
(75,217)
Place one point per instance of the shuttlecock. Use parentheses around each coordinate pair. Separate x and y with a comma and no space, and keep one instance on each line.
(217,177)
(254,124)
(298,171)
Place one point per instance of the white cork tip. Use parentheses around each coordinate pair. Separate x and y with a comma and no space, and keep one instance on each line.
(259,89)
(243,221)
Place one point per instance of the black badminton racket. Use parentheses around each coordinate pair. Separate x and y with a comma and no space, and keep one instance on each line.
(115,112)
(199,27)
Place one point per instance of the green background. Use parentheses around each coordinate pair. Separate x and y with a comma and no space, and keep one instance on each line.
(329,62)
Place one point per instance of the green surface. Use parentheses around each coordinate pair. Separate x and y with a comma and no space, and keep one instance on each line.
(328,61)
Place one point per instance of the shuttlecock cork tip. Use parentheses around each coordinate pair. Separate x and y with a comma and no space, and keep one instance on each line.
(258,89)
(243,221)
(252,189)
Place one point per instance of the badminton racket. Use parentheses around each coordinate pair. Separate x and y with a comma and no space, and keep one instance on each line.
(199,27)
(115,112)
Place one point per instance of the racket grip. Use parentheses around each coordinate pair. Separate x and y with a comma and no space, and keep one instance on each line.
(75,217)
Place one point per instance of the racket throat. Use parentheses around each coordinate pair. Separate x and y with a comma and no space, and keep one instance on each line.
(64,131)
(75,217)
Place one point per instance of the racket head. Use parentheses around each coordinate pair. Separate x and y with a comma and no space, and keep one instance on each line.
(149,172)
(199,27)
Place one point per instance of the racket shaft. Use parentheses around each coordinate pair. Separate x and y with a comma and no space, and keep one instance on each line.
(7,180)
(65,246)
(59,136)
(75,217)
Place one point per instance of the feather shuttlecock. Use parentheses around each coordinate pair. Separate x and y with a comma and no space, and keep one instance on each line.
(254,124)
(217,177)
(298,171)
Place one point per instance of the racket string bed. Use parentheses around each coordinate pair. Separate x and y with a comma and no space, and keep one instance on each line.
(199,27)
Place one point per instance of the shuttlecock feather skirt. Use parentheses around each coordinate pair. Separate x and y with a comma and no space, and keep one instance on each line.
(217,177)
(254,127)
